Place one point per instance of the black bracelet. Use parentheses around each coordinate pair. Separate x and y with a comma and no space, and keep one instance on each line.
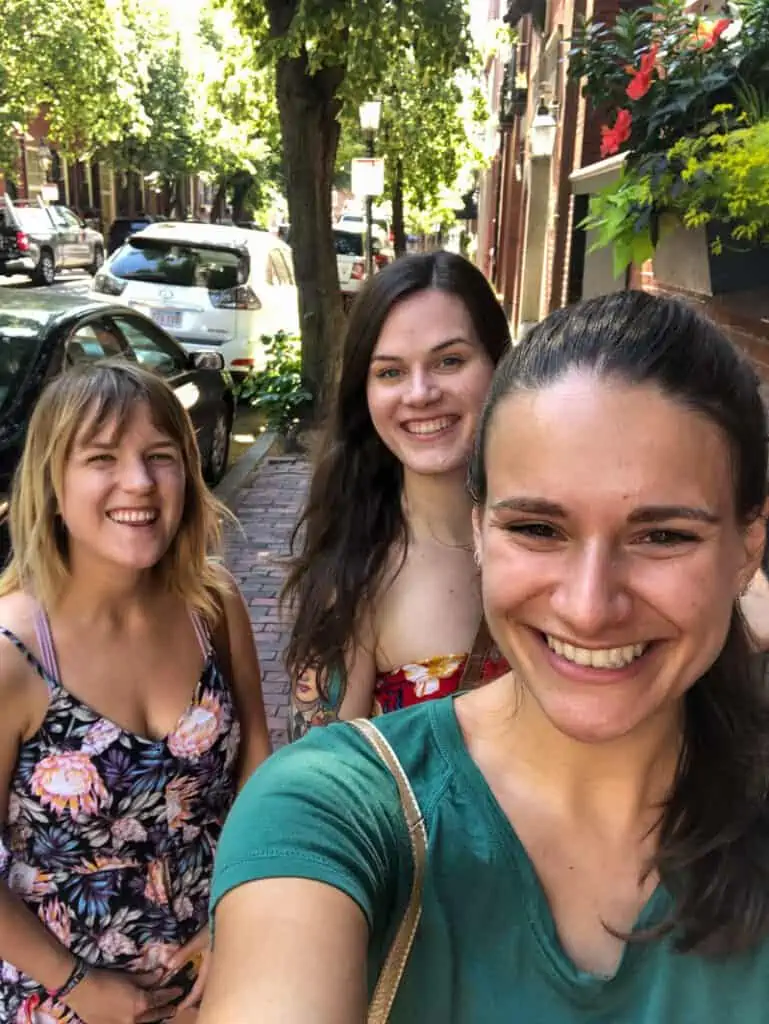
(79,972)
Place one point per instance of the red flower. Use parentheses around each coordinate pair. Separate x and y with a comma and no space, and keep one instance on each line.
(714,34)
(642,79)
(613,138)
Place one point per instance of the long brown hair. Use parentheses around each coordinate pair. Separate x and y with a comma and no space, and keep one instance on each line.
(713,854)
(353,515)
(96,395)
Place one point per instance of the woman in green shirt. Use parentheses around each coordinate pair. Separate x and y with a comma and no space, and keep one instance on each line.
(597,820)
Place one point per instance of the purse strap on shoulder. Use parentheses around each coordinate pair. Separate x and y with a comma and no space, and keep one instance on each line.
(397,957)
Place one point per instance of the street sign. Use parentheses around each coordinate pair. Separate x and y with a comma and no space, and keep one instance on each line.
(50,193)
(368,176)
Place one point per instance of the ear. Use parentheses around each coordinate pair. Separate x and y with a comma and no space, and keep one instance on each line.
(754,539)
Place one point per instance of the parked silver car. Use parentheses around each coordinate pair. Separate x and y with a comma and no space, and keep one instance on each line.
(38,240)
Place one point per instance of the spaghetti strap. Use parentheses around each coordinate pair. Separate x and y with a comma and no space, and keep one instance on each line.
(33,660)
(45,643)
(202,632)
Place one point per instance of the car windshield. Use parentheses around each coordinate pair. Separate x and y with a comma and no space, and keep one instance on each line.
(348,243)
(180,264)
(20,335)
(32,218)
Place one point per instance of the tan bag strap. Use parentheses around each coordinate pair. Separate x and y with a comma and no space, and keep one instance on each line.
(397,957)
(472,674)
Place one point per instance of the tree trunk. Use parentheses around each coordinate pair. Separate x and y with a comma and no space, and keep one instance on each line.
(218,204)
(399,227)
(242,182)
(308,108)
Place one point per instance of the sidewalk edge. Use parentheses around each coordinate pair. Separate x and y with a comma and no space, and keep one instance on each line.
(235,479)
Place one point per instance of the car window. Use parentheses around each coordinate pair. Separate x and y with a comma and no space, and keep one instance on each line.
(149,348)
(68,217)
(180,264)
(348,243)
(20,337)
(92,341)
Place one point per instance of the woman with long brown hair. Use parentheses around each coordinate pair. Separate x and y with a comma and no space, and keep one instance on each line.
(383,589)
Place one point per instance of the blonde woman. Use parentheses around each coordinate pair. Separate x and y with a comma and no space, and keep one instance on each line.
(132,707)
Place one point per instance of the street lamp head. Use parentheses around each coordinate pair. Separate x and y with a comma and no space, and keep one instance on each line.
(370,114)
(542,134)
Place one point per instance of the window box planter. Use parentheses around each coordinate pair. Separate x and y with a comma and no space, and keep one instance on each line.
(684,259)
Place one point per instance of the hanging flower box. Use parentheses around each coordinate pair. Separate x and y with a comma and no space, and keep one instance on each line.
(673,88)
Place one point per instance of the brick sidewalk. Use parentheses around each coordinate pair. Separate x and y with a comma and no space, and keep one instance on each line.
(267,508)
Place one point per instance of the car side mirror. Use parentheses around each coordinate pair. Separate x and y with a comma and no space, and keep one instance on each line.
(207,360)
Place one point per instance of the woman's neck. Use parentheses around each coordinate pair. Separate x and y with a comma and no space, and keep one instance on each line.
(438,507)
(612,785)
(109,598)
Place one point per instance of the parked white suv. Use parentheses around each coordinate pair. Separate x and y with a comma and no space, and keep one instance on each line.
(211,286)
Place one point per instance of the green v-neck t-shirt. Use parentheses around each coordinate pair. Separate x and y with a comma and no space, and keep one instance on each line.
(486,951)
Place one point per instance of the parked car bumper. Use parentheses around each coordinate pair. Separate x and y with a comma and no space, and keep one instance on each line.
(22,265)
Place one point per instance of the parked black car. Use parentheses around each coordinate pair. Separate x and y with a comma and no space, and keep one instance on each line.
(123,227)
(42,333)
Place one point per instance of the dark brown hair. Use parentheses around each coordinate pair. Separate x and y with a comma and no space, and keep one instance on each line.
(353,515)
(713,853)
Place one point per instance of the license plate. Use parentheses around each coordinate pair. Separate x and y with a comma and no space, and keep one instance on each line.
(167,318)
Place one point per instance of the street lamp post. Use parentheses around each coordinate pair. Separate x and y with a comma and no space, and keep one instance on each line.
(370,114)
(45,158)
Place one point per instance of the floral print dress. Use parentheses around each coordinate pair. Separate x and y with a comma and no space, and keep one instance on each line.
(428,680)
(110,836)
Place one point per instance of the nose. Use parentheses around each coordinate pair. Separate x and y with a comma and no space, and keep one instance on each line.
(422,389)
(591,598)
(137,476)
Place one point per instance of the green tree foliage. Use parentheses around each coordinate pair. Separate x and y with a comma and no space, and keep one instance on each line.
(330,55)
(58,55)
(241,135)
(426,137)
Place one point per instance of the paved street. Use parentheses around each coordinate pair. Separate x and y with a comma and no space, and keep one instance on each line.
(78,282)
(267,508)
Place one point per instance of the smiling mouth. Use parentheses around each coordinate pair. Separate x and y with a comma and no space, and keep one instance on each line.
(427,428)
(605,657)
(134,516)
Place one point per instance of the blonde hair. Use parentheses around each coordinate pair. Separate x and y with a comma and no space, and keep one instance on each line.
(94,396)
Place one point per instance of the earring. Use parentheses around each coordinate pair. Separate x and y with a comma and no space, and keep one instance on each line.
(477,558)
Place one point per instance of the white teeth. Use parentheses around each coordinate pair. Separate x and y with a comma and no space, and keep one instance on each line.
(140,517)
(429,426)
(608,657)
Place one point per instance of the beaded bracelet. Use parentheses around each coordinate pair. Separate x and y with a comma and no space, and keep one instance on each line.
(79,972)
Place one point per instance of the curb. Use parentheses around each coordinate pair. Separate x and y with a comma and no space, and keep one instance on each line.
(234,480)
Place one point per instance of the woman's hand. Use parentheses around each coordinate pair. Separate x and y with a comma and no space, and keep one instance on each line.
(116,997)
(197,950)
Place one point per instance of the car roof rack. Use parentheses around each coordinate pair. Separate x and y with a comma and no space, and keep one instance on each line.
(25,204)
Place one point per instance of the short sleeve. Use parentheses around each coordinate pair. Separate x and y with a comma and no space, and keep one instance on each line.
(324,809)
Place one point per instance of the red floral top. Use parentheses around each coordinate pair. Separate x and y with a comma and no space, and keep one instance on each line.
(428,680)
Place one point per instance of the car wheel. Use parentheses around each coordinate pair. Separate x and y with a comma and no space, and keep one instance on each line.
(45,271)
(97,262)
(219,449)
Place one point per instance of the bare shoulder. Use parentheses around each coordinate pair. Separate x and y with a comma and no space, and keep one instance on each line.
(22,691)
(228,590)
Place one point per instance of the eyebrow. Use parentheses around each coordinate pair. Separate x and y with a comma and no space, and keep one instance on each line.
(438,348)
(111,445)
(645,514)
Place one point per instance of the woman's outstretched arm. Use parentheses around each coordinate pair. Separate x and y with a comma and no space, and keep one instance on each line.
(287,951)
